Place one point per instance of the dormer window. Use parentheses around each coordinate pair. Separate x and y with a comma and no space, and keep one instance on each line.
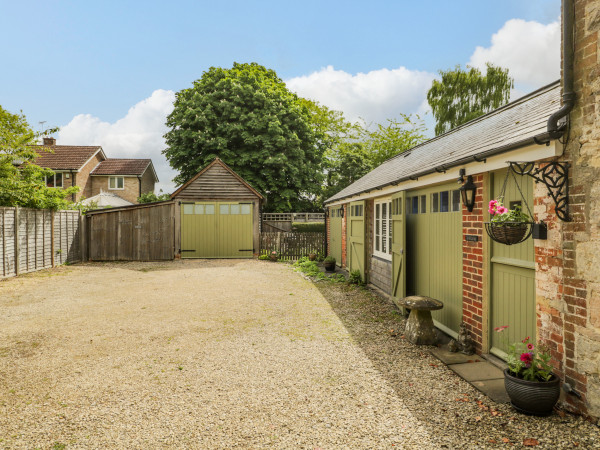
(116,182)
(55,181)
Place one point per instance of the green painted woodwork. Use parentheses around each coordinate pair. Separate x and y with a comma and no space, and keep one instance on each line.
(216,230)
(512,299)
(355,229)
(398,245)
(434,251)
(335,233)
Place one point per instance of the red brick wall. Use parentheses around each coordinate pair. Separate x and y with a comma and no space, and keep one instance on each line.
(473,267)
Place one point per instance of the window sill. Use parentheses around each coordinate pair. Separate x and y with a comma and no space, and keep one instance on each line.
(382,258)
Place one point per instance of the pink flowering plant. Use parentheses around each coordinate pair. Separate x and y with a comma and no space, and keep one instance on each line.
(528,361)
(509,217)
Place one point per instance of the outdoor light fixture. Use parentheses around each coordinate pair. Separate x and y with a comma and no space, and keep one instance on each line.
(342,211)
(467,192)
(461,178)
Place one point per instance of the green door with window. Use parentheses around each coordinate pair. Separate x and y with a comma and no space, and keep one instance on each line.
(355,228)
(512,297)
(335,233)
(216,230)
(398,246)
(434,250)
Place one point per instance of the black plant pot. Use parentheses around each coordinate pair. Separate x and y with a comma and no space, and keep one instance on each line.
(329,267)
(532,397)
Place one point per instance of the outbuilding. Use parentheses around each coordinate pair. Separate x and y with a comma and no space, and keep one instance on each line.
(217,213)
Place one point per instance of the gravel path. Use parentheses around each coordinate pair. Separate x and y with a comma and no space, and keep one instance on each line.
(231,354)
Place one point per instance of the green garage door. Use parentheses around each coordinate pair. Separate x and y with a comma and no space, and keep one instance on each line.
(513,275)
(216,230)
(434,250)
(335,233)
(356,238)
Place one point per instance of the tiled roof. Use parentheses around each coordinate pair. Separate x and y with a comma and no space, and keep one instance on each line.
(64,157)
(114,166)
(515,123)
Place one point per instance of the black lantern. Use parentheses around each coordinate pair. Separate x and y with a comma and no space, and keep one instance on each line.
(467,192)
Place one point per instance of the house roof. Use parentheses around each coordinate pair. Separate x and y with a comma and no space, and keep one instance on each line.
(513,125)
(226,167)
(65,157)
(116,166)
(104,199)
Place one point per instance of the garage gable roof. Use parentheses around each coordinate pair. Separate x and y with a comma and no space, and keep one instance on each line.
(211,170)
(516,123)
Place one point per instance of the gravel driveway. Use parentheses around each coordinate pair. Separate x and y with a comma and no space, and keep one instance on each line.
(231,354)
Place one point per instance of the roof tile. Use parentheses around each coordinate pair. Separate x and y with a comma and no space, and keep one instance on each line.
(115,166)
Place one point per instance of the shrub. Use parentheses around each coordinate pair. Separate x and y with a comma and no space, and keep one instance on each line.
(264,257)
(308,227)
(355,278)
(329,260)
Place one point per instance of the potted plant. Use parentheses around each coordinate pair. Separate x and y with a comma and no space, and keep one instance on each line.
(529,381)
(507,226)
(312,256)
(329,264)
(273,256)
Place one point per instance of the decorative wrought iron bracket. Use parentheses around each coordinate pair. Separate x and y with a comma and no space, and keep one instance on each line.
(554,176)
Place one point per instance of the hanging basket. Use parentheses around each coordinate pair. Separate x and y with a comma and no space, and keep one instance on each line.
(509,233)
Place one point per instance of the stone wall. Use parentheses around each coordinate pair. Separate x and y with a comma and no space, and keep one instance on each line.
(380,274)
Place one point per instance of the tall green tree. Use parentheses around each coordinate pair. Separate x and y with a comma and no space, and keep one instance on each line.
(386,141)
(246,116)
(22,183)
(463,95)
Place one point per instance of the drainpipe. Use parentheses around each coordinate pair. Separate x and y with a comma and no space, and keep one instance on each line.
(568,97)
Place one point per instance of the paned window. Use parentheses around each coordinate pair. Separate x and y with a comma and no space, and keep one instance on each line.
(245,209)
(382,229)
(209,209)
(444,201)
(188,209)
(55,180)
(198,209)
(235,209)
(116,182)
(456,200)
(435,202)
(423,204)
(223,209)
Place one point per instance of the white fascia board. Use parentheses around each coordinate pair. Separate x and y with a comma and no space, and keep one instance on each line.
(496,162)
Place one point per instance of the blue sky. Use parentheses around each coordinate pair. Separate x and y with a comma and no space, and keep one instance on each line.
(106,71)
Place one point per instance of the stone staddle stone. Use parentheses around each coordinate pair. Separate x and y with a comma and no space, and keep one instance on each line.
(419,327)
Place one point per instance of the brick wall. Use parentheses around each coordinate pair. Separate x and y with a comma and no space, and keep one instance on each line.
(568,262)
(473,267)
(130,191)
(83,179)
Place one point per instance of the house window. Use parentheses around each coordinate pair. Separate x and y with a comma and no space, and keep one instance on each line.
(55,180)
(435,202)
(456,200)
(116,182)
(382,229)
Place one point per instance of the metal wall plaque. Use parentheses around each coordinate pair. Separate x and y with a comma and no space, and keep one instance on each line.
(471,238)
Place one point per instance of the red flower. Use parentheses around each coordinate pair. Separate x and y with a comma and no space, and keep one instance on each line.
(527,358)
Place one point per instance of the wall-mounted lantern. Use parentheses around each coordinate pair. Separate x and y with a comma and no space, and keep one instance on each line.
(341,211)
(467,192)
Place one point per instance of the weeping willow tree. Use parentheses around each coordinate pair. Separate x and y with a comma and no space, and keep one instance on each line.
(463,95)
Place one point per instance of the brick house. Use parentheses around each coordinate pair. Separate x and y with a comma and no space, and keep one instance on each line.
(404,228)
(90,169)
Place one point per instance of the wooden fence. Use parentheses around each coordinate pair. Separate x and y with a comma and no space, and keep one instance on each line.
(137,233)
(36,239)
(292,246)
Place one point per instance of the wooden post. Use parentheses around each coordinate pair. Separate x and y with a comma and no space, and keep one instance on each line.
(17,246)
(82,240)
(52,238)
(3,242)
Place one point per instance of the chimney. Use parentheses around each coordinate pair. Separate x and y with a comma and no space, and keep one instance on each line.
(49,141)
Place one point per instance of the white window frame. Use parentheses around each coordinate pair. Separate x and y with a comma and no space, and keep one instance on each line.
(116,188)
(382,229)
(62,178)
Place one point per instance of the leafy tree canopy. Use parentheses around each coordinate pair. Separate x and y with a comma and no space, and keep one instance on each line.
(22,183)
(463,95)
(150,197)
(247,117)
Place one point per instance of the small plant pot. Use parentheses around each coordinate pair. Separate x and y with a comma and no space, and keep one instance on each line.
(536,398)
(273,257)
(329,266)
(312,256)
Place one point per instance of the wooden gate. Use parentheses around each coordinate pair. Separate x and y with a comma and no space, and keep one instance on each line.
(356,237)
(513,276)
(335,233)
(398,244)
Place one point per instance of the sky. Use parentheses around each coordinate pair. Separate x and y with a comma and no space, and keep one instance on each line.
(106,72)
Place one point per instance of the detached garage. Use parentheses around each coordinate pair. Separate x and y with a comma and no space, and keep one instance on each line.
(218,215)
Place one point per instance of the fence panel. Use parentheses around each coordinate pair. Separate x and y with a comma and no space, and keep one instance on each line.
(292,246)
(36,239)
(143,233)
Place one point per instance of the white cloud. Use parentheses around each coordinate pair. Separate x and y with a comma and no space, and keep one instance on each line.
(373,96)
(137,135)
(530,50)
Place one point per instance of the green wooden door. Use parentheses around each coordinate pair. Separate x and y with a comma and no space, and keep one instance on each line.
(335,233)
(216,230)
(512,276)
(434,250)
(355,224)
(398,245)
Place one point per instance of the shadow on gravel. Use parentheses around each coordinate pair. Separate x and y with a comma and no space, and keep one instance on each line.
(178,264)
(454,412)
